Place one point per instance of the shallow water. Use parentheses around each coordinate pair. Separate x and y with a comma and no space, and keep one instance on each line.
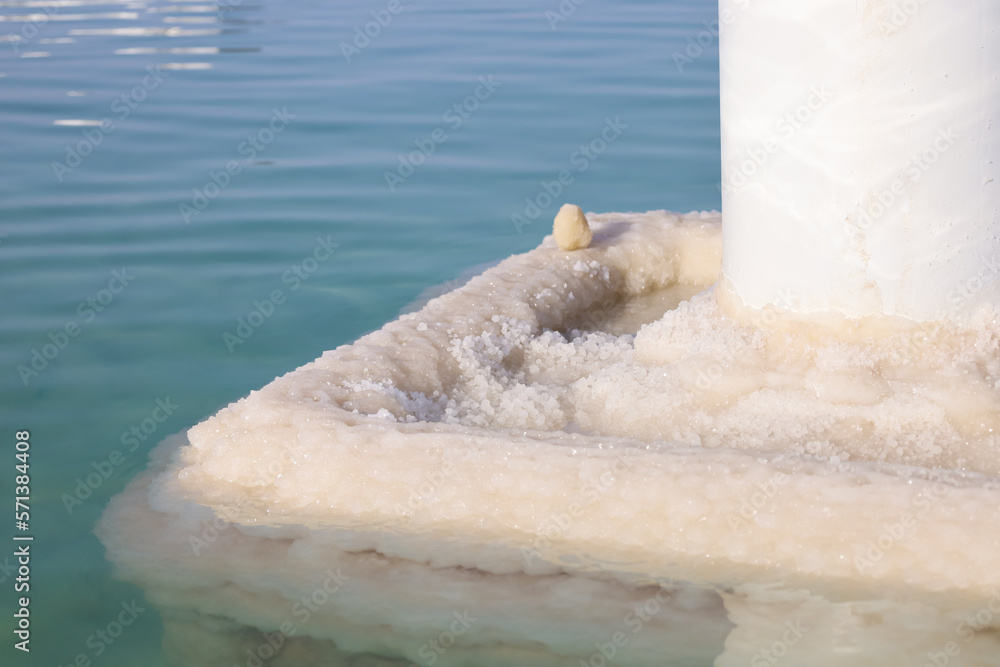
(198,79)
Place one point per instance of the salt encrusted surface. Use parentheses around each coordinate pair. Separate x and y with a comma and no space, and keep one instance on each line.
(531,432)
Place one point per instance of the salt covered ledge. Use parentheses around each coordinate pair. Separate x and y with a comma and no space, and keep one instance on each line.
(597,458)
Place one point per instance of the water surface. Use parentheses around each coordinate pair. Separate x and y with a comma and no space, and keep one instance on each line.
(167,166)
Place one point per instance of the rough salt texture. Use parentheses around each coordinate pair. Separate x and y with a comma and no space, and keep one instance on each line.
(570,228)
(601,426)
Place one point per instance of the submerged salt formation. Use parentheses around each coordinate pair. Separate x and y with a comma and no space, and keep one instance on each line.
(597,458)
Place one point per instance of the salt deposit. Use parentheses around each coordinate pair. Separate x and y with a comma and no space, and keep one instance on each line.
(615,450)
(597,455)
(570,228)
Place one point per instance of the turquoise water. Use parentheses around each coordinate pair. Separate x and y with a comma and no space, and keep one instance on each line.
(119,123)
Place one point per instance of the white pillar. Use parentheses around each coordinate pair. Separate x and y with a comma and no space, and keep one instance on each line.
(860,155)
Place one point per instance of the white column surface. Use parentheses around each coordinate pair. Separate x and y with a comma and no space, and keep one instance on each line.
(860,150)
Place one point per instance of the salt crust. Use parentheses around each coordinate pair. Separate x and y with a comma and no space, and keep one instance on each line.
(548,419)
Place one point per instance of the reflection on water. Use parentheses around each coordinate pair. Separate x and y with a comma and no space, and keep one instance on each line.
(155,19)
(203,50)
(42,18)
(150,32)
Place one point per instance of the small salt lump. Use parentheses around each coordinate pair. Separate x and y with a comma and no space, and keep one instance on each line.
(571,229)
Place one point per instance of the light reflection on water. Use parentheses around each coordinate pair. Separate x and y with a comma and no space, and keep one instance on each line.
(160,20)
